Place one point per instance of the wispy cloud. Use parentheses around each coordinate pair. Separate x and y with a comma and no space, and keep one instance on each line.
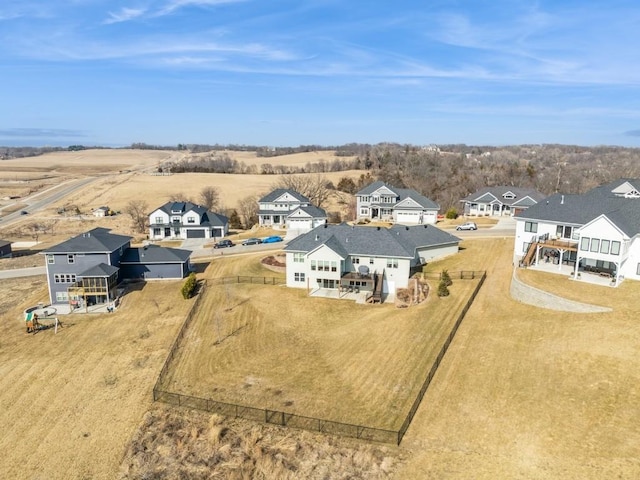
(41,133)
(173,5)
(124,15)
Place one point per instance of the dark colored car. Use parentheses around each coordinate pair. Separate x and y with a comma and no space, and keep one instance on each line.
(272,239)
(24,212)
(252,241)
(224,244)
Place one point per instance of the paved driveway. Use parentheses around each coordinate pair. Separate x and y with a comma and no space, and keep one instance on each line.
(22,272)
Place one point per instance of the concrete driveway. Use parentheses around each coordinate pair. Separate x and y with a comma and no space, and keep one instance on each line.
(22,272)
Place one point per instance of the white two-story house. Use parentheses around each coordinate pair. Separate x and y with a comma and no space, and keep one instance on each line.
(596,232)
(182,220)
(369,259)
(380,201)
(284,208)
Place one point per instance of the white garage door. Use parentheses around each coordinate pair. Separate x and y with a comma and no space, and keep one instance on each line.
(408,217)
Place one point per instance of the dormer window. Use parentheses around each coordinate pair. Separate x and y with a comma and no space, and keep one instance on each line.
(509,196)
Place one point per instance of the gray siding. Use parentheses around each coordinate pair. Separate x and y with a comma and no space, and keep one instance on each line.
(154,271)
(81,263)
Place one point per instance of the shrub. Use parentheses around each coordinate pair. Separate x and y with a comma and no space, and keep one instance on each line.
(451,214)
(443,291)
(446,278)
(189,286)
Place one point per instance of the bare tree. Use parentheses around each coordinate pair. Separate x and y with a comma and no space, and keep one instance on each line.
(314,187)
(137,210)
(210,198)
(248,210)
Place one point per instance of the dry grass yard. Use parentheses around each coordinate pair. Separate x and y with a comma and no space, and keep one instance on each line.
(274,347)
(529,393)
(71,401)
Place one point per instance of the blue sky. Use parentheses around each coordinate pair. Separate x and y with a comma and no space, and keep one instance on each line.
(279,72)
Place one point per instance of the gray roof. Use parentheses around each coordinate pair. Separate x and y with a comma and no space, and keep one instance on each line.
(100,270)
(4,243)
(155,254)
(312,211)
(270,197)
(397,241)
(208,218)
(98,240)
(401,193)
(485,194)
(581,209)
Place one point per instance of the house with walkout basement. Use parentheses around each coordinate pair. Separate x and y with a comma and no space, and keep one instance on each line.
(286,208)
(87,268)
(380,201)
(183,220)
(595,233)
(374,260)
(499,201)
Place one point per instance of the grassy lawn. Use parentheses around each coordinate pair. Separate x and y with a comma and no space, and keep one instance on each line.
(274,347)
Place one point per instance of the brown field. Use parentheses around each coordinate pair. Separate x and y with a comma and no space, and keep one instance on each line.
(122,176)
(276,348)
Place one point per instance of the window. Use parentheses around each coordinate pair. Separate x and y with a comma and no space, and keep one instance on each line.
(51,259)
(64,278)
(334,266)
(531,227)
(364,211)
(615,248)
(158,220)
(563,231)
(313,265)
(595,244)
(371,261)
(157,232)
(604,246)
(584,243)
(191,219)
(392,263)
(299,258)
(638,269)
(62,297)
(355,260)
(71,259)
(298,277)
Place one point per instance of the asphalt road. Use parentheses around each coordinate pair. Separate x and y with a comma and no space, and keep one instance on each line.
(22,272)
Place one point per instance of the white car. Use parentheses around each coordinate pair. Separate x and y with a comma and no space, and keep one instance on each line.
(467,226)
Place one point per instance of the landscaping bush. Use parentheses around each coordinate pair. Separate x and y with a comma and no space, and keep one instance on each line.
(452,213)
(446,278)
(189,286)
(443,291)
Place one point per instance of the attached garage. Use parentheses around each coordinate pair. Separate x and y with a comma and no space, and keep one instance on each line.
(408,217)
(153,262)
(199,233)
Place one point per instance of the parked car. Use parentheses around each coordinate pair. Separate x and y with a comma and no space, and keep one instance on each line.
(252,241)
(224,244)
(24,212)
(467,226)
(272,239)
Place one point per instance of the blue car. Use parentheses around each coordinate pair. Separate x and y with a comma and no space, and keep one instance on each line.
(272,239)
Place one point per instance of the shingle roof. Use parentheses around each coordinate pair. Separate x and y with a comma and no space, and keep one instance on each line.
(100,270)
(4,243)
(98,240)
(208,218)
(155,254)
(581,209)
(401,193)
(312,211)
(397,241)
(421,200)
(484,195)
(270,197)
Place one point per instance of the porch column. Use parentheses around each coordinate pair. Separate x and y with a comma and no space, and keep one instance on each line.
(575,268)
(537,254)
(561,251)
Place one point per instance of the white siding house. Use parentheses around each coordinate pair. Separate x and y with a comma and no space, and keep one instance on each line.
(367,258)
(597,232)
(182,220)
